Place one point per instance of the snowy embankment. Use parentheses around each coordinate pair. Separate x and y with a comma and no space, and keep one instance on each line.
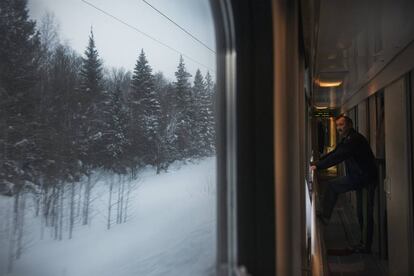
(170,230)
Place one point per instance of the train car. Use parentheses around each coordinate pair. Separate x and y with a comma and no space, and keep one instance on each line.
(286,68)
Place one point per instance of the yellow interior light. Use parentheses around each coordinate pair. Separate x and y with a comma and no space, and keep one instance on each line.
(328,83)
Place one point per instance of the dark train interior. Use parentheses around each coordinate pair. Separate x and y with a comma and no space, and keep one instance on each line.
(287,68)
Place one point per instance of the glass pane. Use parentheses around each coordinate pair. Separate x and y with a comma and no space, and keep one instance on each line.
(107,141)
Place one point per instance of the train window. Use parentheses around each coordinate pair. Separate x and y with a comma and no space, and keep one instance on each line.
(107,148)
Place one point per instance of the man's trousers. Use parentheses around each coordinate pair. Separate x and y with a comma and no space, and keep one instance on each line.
(343,184)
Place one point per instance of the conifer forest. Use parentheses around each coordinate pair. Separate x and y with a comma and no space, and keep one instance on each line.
(64,116)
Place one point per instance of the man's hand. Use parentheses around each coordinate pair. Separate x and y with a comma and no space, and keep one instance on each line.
(313,168)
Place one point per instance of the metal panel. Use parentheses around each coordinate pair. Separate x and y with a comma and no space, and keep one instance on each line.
(372,124)
(246,223)
(397,183)
(288,127)
(225,128)
(363,126)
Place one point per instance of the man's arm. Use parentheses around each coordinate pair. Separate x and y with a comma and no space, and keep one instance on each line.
(343,151)
(321,158)
(326,155)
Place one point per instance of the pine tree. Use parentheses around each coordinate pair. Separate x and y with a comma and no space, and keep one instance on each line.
(168,140)
(183,111)
(93,106)
(19,54)
(210,89)
(117,141)
(93,119)
(19,148)
(91,71)
(118,146)
(204,132)
(145,113)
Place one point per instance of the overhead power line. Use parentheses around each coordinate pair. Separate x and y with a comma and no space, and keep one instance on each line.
(147,35)
(184,30)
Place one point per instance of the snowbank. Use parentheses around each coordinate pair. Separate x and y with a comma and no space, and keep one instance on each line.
(170,230)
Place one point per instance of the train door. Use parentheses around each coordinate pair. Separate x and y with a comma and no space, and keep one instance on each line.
(397,177)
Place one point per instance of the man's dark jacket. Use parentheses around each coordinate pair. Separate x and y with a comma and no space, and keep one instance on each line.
(357,154)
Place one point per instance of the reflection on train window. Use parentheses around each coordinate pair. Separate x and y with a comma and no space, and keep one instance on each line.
(107,138)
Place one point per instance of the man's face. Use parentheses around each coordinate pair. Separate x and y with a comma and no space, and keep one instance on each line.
(341,126)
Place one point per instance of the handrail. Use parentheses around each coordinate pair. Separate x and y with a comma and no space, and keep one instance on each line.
(318,257)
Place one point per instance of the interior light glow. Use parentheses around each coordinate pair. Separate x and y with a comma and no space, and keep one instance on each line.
(328,83)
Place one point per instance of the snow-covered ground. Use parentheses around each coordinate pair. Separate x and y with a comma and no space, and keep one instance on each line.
(170,231)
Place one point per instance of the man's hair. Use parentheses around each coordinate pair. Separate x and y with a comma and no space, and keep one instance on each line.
(346,118)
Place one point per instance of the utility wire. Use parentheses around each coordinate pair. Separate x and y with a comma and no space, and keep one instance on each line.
(147,35)
(184,30)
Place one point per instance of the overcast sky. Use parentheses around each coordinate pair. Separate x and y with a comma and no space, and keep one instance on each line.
(119,46)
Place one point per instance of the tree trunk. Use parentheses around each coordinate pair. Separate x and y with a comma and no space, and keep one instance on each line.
(20,230)
(127,202)
(79,199)
(42,213)
(158,157)
(122,198)
(12,237)
(72,210)
(111,184)
(86,201)
(61,201)
(55,215)
(118,211)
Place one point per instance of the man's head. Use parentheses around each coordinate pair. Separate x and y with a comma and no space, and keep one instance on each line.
(343,124)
